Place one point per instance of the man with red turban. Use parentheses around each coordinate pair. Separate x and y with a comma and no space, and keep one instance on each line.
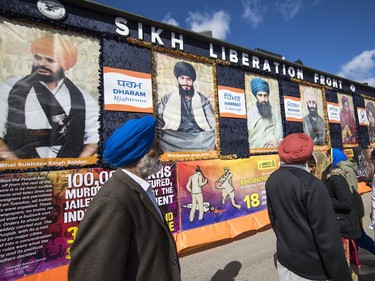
(308,239)
(45,115)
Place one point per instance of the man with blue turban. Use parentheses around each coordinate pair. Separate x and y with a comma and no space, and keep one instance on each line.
(123,235)
(186,118)
(264,123)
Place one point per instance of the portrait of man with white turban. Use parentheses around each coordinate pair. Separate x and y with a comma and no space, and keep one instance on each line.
(44,114)
(263,119)
(186,117)
(313,123)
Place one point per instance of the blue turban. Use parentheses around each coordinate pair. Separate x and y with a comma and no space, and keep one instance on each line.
(259,85)
(337,156)
(130,142)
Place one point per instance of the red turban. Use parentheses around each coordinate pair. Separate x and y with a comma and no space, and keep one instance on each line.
(296,148)
(57,47)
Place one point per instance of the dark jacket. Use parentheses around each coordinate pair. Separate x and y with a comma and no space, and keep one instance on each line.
(123,237)
(343,206)
(301,214)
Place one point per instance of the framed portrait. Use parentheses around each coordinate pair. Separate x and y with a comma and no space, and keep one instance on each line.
(370,116)
(349,132)
(314,121)
(263,113)
(185,108)
(49,97)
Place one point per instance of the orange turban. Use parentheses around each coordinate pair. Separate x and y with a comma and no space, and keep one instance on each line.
(57,47)
(296,148)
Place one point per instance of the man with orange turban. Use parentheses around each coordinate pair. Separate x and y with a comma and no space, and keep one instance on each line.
(308,239)
(45,114)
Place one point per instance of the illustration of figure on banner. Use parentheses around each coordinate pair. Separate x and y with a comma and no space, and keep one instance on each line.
(45,114)
(224,183)
(194,186)
(263,119)
(347,120)
(370,112)
(313,123)
(186,117)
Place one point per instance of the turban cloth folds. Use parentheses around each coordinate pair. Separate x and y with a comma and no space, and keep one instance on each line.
(296,148)
(63,51)
(337,156)
(184,68)
(130,142)
(310,95)
(259,85)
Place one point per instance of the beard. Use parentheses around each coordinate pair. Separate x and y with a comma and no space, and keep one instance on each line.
(313,111)
(184,92)
(265,109)
(148,166)
(54,76)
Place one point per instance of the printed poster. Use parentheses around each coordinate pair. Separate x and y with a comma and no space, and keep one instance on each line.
(231,102)
(216,190)
(40,213)
(126,90)
(185,108)
(263,113)
(51,117)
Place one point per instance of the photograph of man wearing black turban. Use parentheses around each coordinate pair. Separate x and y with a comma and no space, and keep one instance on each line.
(186,118)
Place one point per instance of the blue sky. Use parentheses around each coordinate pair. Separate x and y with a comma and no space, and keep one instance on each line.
(334,36)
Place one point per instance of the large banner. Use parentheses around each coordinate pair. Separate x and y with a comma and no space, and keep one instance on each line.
(40,213)
(48,97)
(185,108)
(263,113)
(164,185)
(215,191)
(39,216)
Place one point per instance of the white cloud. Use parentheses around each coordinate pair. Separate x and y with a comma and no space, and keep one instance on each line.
(169,20)
(217,22)
(253,11)
(289,8)
(361,68)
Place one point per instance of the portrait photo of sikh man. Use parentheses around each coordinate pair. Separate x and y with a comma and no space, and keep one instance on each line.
(44,114)
(370,114)
(347,119)
(313,123)
(186,117)
(263,115)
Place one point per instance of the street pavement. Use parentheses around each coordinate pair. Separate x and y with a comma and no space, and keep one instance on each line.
(250,257)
